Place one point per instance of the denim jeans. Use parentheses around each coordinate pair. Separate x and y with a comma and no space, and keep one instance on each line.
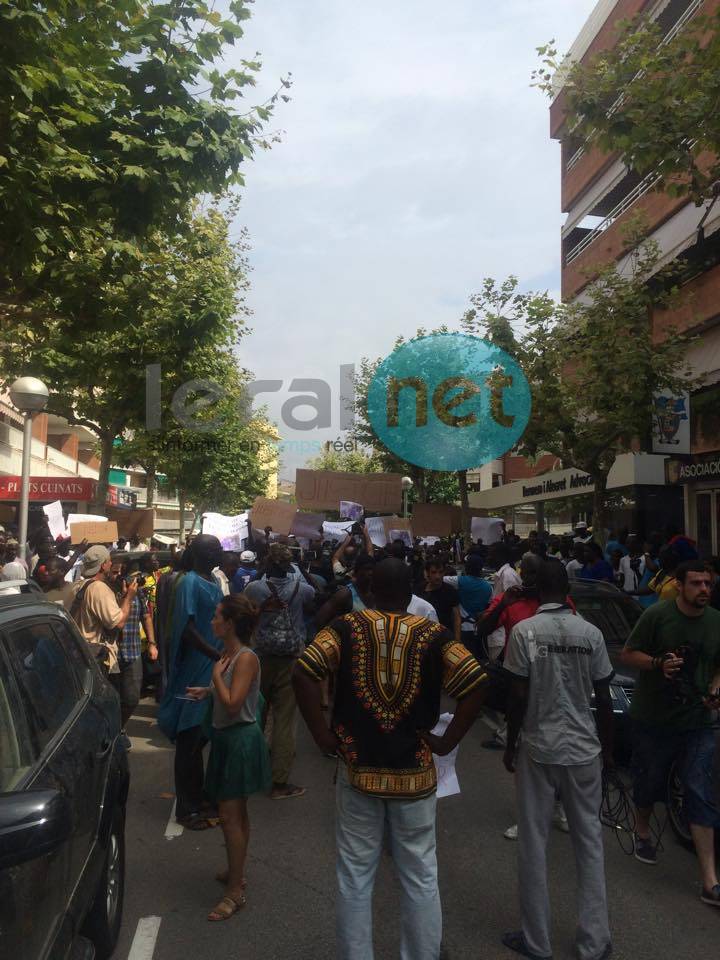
(359,827)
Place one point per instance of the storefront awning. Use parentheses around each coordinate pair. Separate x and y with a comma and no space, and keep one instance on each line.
(629,469)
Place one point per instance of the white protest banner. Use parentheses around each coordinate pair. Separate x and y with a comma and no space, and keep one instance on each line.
(55,519)
(230,531)
(487,529)
(375,527)
(447,782)
(84,518)
(403,535)
(336,529)
(350,510)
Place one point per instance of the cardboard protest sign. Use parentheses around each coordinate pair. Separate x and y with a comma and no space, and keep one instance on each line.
(350,510)
(140,523)
(396,523)
(94,532)
(272,513)
(436,519)
(230,531)
(325,489)
(55,519)
(307,526)
(489,529)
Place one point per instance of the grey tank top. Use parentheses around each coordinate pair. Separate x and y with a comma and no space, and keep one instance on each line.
(221,718)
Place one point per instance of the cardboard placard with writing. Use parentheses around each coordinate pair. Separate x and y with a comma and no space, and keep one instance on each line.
(94,532)
(396,523)
(324,489)
(272,513)
(307,526)
(436,519)
(133,522)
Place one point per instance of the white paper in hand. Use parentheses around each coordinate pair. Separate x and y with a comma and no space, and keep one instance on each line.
(447,781)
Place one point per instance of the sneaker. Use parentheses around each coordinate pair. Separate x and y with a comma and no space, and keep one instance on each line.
(606,954)
(511,833)
(559,819)
(516,941)
(711,897)
(125,740)
(645,851)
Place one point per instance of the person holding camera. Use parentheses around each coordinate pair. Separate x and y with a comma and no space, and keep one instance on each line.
(675,646)
(345,555)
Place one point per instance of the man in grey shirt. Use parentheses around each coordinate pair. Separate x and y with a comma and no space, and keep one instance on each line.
(558,661)
(279,640)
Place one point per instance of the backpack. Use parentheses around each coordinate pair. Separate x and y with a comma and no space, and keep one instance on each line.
(279,636)
(99,651)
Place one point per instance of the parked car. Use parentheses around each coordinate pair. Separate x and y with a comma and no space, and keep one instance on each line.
(64,783)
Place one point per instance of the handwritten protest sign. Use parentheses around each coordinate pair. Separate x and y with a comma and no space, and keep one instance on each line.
(139,523)
(232,532)
(325,489)
(55,519)
(94,532)
(436,519)
(489,529)
(272,513)
(307,526)
(350,510)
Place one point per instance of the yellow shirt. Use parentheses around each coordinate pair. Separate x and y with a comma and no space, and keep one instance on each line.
(664,585)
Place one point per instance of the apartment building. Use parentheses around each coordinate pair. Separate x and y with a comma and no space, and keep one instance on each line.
(598,196)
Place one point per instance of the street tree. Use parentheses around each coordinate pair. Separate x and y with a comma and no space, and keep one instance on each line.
(652,100)
(593,366)
(114,117)
(172,315)
(347,461)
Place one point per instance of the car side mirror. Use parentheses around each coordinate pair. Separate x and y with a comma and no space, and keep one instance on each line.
(33,823)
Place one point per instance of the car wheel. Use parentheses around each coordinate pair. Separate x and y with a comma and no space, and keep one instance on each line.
(102,925)
(676,808)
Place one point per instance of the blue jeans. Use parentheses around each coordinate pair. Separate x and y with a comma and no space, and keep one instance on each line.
(359,827)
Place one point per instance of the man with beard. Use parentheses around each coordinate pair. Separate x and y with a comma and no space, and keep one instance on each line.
(675,646)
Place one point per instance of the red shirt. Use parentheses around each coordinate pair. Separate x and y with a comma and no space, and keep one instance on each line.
(521,609)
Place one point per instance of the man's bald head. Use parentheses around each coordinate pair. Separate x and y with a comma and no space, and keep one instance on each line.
(392,585)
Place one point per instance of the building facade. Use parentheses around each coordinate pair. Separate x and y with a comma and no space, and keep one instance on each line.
(599,195)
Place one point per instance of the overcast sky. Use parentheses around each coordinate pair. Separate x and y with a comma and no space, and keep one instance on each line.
(415,161)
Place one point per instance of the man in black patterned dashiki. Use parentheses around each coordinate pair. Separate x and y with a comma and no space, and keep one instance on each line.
(390,668)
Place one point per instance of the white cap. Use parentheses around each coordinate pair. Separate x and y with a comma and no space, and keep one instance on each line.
(247,556)
(581,525)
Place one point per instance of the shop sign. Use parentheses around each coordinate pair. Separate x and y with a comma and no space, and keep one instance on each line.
(697,468)
(49,489)
(121,497)
(570,484)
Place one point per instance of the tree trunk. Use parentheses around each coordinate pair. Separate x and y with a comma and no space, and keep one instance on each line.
(106,457)
(150,474)
(599,517)
(464,507)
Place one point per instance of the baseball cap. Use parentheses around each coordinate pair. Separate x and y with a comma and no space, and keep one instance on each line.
(247,556)
(93,558)
(581,525)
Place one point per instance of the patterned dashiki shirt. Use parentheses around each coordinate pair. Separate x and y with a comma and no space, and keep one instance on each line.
(390,671)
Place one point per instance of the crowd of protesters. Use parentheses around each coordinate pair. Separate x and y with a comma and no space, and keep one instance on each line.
(364,640)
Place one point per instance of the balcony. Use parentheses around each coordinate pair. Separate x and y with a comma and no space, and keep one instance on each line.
(671,16)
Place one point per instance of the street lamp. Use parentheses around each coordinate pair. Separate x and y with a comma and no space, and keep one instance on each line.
(30,396)
(407,486)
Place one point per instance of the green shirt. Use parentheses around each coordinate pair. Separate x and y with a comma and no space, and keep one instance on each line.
(676,705)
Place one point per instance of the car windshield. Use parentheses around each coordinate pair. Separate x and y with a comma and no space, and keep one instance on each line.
(614,617)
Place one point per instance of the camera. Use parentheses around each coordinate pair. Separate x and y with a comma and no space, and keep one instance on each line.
(681,687)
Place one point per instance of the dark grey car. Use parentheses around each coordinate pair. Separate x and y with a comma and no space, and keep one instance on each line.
(63,787)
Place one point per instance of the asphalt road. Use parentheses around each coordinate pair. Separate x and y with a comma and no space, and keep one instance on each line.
(655,911)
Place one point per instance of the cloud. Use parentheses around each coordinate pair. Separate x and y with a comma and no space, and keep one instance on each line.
(415,161)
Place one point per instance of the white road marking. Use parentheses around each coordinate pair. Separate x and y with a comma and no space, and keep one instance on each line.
(173,828)
(143,945)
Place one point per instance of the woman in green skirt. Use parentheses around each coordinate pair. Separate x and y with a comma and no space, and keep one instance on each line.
(239,764)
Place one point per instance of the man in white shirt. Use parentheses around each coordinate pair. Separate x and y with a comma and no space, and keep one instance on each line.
(575,565)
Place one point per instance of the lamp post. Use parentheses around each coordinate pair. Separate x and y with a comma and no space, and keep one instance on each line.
(30,396)
(407,486)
